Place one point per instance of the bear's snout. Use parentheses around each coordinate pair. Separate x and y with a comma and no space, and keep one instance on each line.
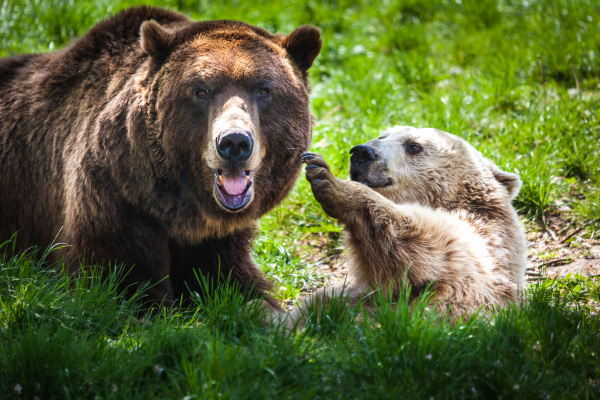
(235,145)
(365,170)
(362,155)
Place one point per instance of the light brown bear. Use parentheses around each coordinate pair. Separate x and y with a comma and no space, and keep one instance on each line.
(157,142)
(423,207)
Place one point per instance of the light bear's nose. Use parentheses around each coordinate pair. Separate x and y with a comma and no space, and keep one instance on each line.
(362,155)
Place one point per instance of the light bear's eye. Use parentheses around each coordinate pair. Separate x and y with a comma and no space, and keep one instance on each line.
(414,148)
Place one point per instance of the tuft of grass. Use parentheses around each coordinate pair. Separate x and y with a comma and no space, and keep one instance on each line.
(539,185)
(223,307)
(32,292)
(325,316)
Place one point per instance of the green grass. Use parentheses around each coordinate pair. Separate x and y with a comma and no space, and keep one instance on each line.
(519,79)
(64,337)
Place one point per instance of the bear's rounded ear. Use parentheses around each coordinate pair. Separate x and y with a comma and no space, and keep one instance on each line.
(303,45)
(510,181)
(155,40)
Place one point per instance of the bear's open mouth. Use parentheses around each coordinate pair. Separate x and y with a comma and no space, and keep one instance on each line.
(233,187)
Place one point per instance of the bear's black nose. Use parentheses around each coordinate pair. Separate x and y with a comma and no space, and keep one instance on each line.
(235,146)
(362,155)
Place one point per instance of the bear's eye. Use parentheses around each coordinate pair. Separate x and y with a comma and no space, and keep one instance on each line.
(202,93)
(414,148)
(263,92)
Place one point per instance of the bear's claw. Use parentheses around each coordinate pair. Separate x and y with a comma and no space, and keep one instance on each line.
(314,159)
(307,156)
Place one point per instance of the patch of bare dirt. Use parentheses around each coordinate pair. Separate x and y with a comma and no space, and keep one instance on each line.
(323,250)
(560,249)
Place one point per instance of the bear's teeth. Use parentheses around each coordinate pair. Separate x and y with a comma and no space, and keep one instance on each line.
(221,179)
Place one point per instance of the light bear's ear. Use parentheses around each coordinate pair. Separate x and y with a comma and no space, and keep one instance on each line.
(303,45)
(156,41)
(510,181)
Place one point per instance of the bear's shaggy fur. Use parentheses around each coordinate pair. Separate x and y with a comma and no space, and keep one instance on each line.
(425,208)
(156,142)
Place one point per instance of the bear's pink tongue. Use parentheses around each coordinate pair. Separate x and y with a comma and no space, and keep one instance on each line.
(234,181)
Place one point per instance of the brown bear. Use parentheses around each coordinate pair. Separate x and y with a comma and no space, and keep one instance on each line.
(424,208)
(155,142)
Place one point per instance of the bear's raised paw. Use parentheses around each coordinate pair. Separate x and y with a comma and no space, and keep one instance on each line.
(326,188)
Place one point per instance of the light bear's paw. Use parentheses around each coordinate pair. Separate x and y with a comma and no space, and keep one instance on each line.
(317,168)
(324,185)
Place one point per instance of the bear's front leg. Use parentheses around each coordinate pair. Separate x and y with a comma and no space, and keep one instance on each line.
(327,189)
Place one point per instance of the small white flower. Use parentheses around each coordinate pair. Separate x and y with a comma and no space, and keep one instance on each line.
(18,388)
(428,356)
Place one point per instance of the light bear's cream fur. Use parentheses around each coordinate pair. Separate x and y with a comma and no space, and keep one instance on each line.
(425,205)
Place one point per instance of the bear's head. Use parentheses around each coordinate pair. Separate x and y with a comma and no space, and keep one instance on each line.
(433,168)
(227,119)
